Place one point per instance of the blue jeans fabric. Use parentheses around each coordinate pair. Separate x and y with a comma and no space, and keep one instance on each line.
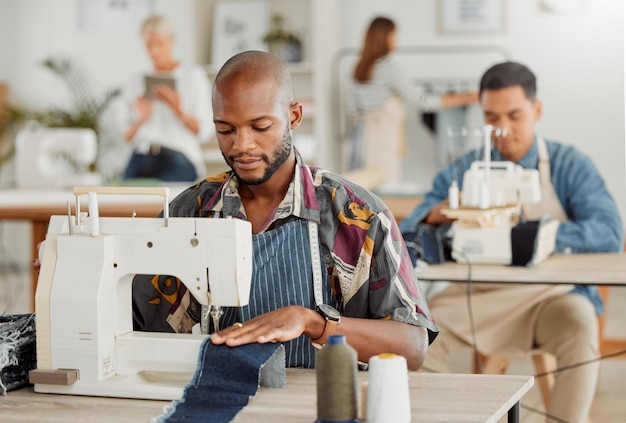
(225,380)
(17,350)
(167,165)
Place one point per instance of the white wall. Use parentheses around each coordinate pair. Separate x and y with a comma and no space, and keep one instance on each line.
(43,28)
(578,58)
(7,26)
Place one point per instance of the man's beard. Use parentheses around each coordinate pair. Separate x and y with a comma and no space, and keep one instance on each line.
(281,154)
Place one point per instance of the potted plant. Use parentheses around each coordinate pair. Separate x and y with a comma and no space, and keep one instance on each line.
(282,42)
(86,113)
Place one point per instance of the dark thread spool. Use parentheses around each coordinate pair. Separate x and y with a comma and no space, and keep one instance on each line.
(335,368)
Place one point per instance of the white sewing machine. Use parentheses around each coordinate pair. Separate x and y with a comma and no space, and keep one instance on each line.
(490,206)
(55,157)
(85,339)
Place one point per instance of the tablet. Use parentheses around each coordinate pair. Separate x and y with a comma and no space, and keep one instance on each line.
(152,80)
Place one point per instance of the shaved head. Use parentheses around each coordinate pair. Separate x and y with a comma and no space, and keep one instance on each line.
(255,112)
(256,66)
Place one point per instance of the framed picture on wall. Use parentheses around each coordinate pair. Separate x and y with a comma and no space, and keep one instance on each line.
(471,16)
(238,26)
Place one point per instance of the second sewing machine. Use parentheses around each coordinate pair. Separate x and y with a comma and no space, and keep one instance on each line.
(489,226)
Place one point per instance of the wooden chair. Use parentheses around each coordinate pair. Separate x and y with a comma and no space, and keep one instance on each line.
(544,362)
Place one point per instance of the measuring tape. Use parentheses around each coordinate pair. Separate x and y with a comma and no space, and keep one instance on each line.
(316,263)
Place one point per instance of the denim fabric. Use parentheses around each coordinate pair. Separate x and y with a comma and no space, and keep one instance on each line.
(17,350)
(428,243)
(168,165)
(225,380)
(594,224)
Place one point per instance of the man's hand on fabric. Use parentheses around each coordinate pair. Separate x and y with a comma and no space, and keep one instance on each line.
(283,324)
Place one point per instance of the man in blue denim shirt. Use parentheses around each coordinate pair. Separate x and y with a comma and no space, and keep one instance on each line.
(512,319)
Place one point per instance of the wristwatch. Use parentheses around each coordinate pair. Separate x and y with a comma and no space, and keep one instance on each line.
(332,317)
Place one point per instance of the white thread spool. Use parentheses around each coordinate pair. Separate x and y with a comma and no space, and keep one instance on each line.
(485,196)
(453,195)
(388,399)
(94,214)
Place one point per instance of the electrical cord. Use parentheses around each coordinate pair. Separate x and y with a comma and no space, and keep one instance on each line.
(564,368)
(470,312)
(582,363)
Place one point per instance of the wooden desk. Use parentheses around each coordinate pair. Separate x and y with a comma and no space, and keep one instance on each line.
(434,398)
(582,269)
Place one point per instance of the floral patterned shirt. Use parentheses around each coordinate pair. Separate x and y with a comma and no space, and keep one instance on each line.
(365,256)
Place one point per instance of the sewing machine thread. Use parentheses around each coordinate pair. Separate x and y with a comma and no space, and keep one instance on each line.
(388,390)
(336,367)
(453,195)
(94,214)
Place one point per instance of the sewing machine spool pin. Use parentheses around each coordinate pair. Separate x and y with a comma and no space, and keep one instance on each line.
(69,219)
(160,191)
(94,213)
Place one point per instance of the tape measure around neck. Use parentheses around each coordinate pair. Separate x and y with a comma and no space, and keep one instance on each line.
(316,262)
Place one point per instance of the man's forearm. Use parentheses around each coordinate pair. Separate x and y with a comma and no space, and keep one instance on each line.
(370,337)
(435,217)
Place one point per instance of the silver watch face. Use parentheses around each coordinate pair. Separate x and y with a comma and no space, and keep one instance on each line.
(329,312)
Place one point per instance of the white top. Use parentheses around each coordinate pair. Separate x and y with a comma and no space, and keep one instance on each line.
(164,127)
(388,80)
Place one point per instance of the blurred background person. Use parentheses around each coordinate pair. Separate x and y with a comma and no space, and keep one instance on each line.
(167,125)
(375,103)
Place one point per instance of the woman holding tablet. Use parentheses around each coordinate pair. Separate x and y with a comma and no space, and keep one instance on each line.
(170,112)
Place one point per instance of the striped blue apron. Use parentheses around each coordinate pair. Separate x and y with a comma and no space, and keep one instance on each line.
(282,275)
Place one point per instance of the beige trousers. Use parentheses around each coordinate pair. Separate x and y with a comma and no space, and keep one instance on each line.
(566,326)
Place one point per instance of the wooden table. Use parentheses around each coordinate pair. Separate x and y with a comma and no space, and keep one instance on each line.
(608,269)
(580,269)
(441,398)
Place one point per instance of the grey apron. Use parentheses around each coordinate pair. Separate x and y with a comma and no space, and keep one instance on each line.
(283,275)
(549,203)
